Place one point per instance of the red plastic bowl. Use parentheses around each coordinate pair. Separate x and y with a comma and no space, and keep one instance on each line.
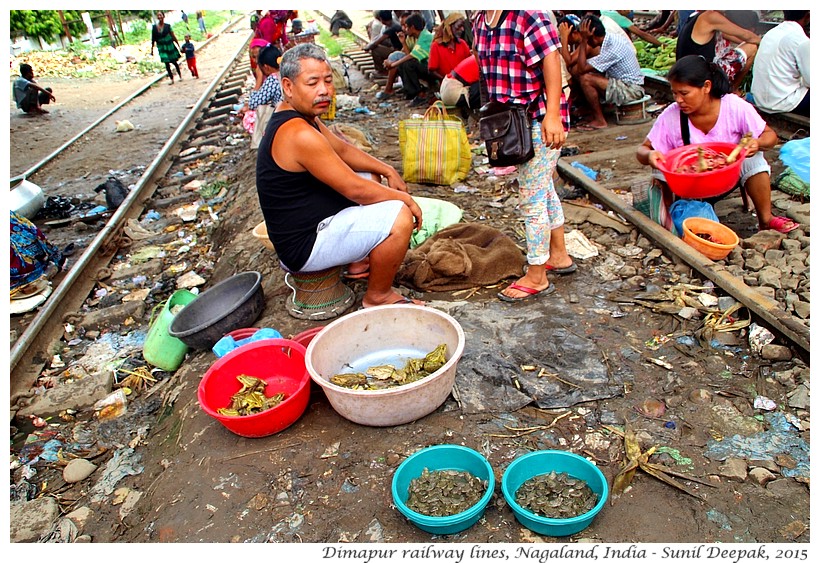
(242,333)
(279,362)
(699,185)
(305,337)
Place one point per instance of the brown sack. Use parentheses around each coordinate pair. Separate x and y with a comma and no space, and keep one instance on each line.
(462,256)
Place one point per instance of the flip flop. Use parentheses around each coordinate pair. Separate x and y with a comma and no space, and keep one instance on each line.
(561,271)
(590,127)
(531,293)
(782,224)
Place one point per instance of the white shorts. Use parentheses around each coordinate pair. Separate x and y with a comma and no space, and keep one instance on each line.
(351,234)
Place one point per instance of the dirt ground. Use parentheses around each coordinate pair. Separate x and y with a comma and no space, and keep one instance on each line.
(327,480)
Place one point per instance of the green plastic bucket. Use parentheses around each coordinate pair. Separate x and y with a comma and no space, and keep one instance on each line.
(161,349)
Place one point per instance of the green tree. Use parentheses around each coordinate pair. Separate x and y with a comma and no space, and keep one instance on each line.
(45,24)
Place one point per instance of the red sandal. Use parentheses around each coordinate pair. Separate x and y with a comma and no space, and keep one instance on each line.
(782,224)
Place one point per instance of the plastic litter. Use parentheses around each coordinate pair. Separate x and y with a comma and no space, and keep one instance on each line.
(685,208)
(758,337)
(579,246)
(764,403)
(780,438)
(796,155)
(462,189)
(227,342)
(589,172)
(686,341)
(112,406)
(502,170)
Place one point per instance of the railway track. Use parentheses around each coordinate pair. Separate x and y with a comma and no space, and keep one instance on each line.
(203,126)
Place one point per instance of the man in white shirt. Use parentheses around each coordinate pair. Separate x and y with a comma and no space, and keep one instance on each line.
(781,72)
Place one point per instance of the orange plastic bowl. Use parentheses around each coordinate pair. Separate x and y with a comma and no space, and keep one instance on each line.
(723,239)
(699,185)
(277,361)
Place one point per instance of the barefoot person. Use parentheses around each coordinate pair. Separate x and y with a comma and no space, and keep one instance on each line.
(30,96)
(614,73)
(320,205)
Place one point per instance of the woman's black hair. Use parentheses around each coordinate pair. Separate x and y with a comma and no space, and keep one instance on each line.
(694,70)
(269,56)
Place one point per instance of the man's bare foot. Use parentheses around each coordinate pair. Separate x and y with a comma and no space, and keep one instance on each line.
(392,298)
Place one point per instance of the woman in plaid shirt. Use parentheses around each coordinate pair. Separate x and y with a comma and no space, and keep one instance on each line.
(518,52)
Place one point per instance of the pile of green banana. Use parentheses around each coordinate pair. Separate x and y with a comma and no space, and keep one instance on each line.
(660,58)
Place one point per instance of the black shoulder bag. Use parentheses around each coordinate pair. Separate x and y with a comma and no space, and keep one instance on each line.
(506,130)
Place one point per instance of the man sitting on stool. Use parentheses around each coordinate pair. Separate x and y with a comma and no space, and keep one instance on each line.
(613,73)
(320,211)
(29,95)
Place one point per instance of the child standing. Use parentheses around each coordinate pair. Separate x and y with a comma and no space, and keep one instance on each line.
(190,57)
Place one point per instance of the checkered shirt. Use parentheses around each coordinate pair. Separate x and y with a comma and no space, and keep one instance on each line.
(618,60)
(510,56)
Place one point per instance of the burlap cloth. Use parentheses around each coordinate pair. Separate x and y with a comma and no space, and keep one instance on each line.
(461,256)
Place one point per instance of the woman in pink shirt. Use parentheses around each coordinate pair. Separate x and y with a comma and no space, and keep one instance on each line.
(704,107)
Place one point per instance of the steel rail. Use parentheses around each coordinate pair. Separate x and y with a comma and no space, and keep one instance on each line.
(140,192)
(764,307)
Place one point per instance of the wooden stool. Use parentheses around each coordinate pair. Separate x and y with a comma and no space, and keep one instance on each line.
(632,112)
(318,295)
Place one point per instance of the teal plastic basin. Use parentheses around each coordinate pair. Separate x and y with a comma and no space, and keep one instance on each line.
(444,456)
(545,461)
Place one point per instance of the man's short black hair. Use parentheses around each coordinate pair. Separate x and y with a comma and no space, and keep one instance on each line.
(596,25)
(385,15)
(25,68)
(794,15)
(415,21)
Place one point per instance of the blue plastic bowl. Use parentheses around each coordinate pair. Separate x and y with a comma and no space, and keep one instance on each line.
(545,461)
(441,457)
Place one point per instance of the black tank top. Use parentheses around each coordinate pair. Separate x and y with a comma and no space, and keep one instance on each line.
(687,46)
(293,203)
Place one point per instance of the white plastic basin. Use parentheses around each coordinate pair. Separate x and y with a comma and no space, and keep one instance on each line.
(369,336)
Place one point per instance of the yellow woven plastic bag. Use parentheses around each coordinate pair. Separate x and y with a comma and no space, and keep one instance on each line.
(435,148)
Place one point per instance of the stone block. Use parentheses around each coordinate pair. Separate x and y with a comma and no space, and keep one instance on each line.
(763,240)
(112,316)
(148,269)
(802,309)
(78,394)
(30,520)
(734,469)
(770,277)
(755,261)
(775,352)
